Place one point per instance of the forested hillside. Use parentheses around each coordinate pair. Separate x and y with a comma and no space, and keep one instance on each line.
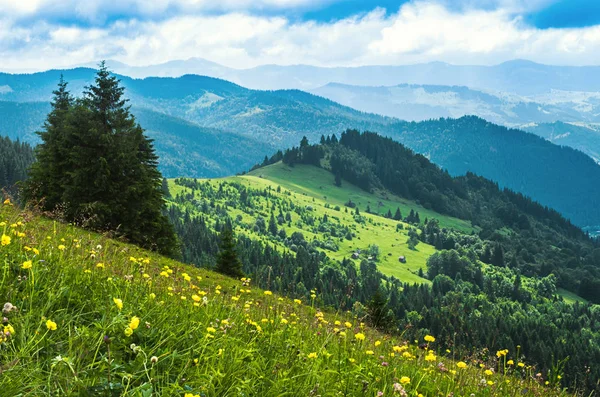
(559,177)
(503,284)
(584,137)
(192,109)
(292,229)
(534,239)
(15,159)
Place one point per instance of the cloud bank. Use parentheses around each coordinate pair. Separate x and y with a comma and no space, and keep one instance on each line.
(42,34)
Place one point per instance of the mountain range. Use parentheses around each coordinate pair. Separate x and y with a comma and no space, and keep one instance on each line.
(521,77)
(417,102)
(206,127)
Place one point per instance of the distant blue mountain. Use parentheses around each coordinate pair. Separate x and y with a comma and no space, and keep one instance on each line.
(211,127)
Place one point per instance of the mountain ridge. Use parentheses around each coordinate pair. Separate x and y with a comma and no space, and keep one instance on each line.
(278,119)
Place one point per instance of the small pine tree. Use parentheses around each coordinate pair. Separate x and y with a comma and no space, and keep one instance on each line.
(228,262)
(379,315)
(273,225)
(398,215)
(338,179)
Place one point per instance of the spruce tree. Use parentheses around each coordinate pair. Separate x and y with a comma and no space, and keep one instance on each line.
(47,175)
(379,314)
(100,168)
(273,225)
(228,262)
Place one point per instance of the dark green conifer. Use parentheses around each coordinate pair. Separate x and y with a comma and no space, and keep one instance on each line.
(48,173)
(96,164)
(228,262)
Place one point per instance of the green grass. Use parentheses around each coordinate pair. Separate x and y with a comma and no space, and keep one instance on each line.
(317,182)
(377,230)
(570,297)
(199,333)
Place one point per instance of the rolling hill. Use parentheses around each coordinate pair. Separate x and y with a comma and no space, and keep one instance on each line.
(257,122)
(184,148)
(581,136)
(473,261)
(86,315)
(311,187)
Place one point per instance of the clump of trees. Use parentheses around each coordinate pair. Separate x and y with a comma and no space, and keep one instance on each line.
(15,159)
(97,168)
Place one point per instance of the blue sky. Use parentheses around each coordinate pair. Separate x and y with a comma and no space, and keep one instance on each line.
(36,34)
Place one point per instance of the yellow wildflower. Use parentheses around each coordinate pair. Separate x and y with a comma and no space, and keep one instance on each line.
(4,240)
(298,301)
(128,331)
(51,325)
(312,355)
(405,380)
(27,265)
(268,293)
(429,338)
(461,365)
(370,352)
(118,302)
(377,343)
(348,324)
(134,323)
(488,372)
(61,247)
(360,336)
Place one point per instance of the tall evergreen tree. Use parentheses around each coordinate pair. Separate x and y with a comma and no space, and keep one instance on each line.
(48,173)
(97,164)
(228,262)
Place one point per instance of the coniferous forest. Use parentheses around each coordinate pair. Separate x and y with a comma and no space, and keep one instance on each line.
(494,289)
(15,159)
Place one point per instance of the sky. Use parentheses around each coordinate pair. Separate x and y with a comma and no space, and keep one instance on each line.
(43,34)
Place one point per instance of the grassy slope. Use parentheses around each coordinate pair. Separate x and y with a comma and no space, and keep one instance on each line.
(318,183)
(240,341)
(570,297)
(314,186)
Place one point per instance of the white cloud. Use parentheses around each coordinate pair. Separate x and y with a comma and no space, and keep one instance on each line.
(420,31)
